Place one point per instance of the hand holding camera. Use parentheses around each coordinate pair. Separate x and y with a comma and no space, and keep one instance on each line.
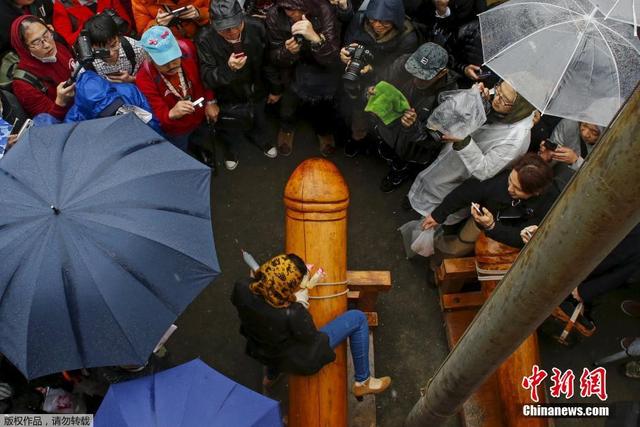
(358,58)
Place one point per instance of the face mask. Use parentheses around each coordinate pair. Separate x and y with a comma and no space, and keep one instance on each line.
(46,59)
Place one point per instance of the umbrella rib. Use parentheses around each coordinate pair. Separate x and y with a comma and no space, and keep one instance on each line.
(508,5)
(27,189)
(140,278)
(124,333)
(72,202)
(102,208)
(613,58)
(622,37)
(146,238)
(516,43)
(611,10)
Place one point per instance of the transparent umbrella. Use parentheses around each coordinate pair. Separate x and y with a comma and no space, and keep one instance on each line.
(562,56)
(620,10)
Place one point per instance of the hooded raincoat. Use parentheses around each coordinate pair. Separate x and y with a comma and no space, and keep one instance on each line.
(50,74)
(402,39)
(96,97)
(489,150)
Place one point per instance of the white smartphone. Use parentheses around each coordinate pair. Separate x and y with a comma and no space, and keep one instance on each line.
(476,207)
(198,102)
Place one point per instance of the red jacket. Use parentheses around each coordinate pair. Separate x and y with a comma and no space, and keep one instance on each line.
(32,100)
(69,16)
(162,100)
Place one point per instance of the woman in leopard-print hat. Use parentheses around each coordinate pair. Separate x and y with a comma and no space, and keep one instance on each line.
(280,331)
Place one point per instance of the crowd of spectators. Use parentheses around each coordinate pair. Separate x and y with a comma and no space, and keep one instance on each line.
(194,70)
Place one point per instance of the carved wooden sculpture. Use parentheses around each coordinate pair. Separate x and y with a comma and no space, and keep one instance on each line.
(316,200)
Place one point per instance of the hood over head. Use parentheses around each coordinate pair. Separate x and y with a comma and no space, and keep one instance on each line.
(387,10)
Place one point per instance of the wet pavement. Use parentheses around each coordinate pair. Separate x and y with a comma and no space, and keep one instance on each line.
(410,344)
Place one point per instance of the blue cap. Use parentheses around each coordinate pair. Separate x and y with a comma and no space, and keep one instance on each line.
(160,44)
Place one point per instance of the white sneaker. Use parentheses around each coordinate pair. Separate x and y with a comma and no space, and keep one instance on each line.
(231,164)
(271,153)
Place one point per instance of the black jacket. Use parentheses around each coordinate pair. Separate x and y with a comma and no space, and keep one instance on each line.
(384,52)
(283,338)
(493,195)
(413,143)
(313,73)
(9,12)
(248,83)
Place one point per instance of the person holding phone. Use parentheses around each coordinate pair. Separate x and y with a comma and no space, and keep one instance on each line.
(125,54)
(44,67)
(184,17)
(501,206)
(232,62)
(170,80)
(571,142)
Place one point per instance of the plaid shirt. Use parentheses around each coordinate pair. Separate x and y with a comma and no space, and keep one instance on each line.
(123,63)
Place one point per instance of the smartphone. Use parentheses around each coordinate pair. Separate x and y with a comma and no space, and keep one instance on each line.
(198,102)
(20,130)
(238,49)
(180,10)
(484,74)
(550,145)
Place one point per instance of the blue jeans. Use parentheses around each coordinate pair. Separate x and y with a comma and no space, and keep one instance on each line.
(353,325)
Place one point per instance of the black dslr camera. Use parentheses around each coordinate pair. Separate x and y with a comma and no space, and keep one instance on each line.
(360,57)
(85,53)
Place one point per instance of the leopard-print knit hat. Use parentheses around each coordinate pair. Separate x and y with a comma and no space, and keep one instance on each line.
(277,280)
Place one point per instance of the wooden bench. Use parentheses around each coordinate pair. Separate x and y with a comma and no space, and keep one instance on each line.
(498,402)
(364,287)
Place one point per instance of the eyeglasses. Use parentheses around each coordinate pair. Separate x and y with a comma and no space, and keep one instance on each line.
(501,98)
(47,37)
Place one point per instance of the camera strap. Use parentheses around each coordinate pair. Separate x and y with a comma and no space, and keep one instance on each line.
(183,86)
(130,54)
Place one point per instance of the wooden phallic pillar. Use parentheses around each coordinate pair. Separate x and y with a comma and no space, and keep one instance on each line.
(316,198)
(496,259)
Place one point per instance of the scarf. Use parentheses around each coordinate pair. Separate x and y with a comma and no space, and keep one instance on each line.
(277,280)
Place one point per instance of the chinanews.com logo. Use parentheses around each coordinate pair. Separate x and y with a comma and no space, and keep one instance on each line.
(592,383)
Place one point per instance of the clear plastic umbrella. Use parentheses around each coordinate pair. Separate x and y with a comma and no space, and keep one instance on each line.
(620,10)
(562,56)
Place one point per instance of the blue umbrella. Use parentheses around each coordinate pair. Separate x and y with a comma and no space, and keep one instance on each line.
(105,238)
(189,395)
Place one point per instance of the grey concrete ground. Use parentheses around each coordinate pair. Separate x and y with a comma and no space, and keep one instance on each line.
(410,343)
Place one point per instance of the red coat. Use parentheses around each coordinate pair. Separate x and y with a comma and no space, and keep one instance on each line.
(69,20)
(32,100)
(162,100)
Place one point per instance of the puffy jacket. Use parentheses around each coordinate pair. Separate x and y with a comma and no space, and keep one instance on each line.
(69,16)
(162,100)
(95,94)
(247,83)
(145,11)
(313,73)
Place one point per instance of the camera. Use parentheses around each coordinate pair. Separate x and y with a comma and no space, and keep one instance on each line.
(121,24)
(85,53)
(299,38)
(360,56)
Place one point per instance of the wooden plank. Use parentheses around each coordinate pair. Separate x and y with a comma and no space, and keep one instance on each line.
(379,281)
(372,318)
(353,295)
(361,414)
(484,407)
(461,301)
(459,268)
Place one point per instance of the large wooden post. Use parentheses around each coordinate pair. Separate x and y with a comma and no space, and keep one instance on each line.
(316,199)
(496,257)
